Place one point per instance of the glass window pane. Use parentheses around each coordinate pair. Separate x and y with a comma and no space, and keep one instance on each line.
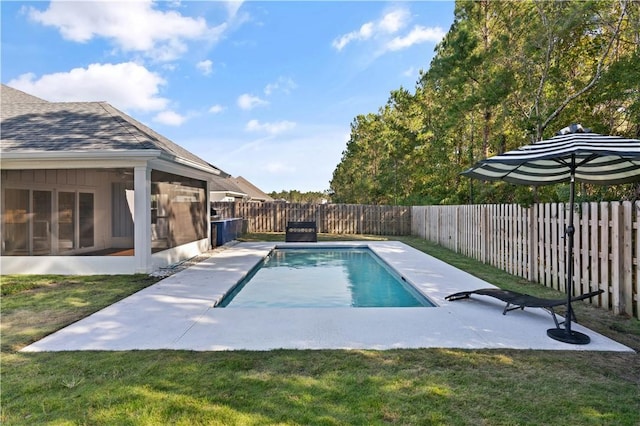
(41,222)
(66,220)
(86,222)
(15,226)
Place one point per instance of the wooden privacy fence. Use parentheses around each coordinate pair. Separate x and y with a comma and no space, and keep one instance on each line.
(330,218)
(530,243)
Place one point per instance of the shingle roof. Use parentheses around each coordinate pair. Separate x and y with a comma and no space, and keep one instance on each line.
(32,124)
(10,95)
(225,184)
(253,191)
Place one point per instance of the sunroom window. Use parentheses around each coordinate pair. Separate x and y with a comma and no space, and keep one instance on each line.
(35,223)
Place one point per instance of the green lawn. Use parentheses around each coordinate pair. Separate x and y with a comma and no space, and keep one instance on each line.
(430,386)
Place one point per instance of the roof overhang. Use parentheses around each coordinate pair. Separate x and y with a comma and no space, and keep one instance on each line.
(28,159)
(191,164)
(230,193)
(22,160)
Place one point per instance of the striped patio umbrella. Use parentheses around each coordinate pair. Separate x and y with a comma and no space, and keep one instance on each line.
(574,154)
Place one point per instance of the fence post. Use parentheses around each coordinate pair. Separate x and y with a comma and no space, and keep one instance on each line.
(595,249)
(559,248)
(276,218)
(626,262)
(483,234)
(604,253)
(457,230)
(616,251)
(577,251)
(586,214)
(532,268)
(636,211)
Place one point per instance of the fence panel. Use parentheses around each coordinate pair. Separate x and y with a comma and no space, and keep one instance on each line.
(330,218)
(531,243)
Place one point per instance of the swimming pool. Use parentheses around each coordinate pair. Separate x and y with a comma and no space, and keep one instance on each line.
(323,277)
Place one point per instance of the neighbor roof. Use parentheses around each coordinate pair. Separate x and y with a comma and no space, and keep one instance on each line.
(225,184)
(30,124)
(253,191)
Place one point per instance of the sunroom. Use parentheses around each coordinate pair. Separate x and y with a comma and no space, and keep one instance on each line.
(86,189)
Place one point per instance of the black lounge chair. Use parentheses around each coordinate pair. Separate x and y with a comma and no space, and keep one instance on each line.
(306,232)
(517,300)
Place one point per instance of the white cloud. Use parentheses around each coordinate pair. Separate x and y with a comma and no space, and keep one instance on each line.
(270,128)
(127,86)
(364,33)
(169,66)
(170,118)
(174,3)
(287,167)
(275,163)
(394,21)
(387,26)
(248,102)
(133,25)
(390,23)
(418,35)
(205,66)
(232,7)
(409,72)
(278,167)
(283,84)
(216,109)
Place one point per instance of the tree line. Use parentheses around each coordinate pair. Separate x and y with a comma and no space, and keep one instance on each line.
(506,74)
(295,196)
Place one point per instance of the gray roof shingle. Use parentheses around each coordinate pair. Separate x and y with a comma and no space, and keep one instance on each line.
(253,191)
(30,124)
(225,184)
(10,95)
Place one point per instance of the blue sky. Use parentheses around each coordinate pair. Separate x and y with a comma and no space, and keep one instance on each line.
(264,90)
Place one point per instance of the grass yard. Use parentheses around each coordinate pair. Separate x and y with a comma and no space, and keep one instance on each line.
(430,386)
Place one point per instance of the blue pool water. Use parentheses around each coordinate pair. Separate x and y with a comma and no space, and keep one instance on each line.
(323,277)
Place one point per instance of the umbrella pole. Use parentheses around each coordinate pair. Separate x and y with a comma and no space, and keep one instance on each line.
(566,334)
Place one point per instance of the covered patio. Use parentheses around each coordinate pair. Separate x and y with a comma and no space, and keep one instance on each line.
(86,189)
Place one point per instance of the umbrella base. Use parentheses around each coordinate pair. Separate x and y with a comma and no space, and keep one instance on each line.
(573,337)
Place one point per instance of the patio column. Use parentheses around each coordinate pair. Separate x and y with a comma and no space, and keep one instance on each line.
(142,218)
(208,198)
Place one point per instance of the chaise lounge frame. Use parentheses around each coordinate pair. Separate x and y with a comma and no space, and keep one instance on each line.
(515,300)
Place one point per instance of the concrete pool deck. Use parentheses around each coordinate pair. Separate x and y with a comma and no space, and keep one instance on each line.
(178,313)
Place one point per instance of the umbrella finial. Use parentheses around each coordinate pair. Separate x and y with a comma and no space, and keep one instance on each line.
(573,128)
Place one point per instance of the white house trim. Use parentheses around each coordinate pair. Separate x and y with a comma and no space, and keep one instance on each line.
(142,218)
(68,265)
